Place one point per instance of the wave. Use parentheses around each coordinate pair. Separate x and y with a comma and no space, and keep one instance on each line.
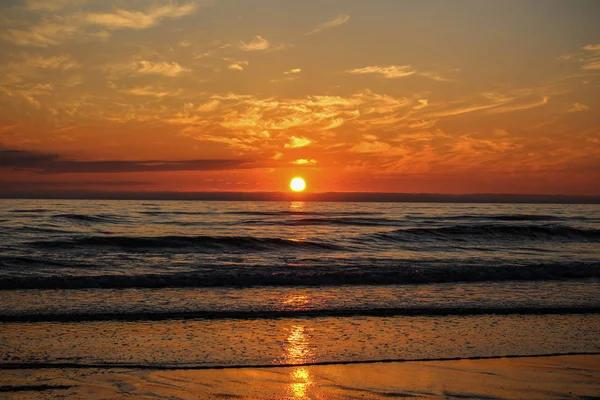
(478,232)
(315,313)
(24,261)
(497,217)
(39,229)
(87,218)
(177,212)
(301,213)
(322,275)
(32,365)
(336,221)
(31,211)
(198,244)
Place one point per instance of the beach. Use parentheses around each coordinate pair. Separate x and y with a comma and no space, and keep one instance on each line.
(558,377)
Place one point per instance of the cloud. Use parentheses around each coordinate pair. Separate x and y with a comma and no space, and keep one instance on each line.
(252,123)
(289,75)
(589,58)
(210,105)
(44,34)
(371,147)
(336,123)
(423,124)
(303,161)
(460,107)
(577,107)
(56,62)
(238,65)
(389,72)
(48,163)
(259,43)
(150,91)
(592,64)
(591,61)
(161,68)
(434,76)
(125,19)
(337,21)
(55,29)
(297,142)
(396,71)
(518,107)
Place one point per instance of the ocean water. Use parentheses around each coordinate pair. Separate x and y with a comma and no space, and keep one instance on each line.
(213,284)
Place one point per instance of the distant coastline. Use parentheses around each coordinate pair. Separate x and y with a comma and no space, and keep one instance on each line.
(319,197)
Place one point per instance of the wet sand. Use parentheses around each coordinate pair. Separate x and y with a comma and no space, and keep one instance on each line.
(504,378)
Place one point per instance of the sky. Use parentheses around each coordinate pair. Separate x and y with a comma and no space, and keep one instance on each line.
(428,96)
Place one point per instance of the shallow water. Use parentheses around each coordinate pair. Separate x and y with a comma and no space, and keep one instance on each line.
(229,283)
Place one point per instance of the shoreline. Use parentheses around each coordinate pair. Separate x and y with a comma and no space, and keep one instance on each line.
(573,376)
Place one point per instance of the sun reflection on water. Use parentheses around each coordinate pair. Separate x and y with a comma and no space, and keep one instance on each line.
(296,301)
(297,351)
(297,206)
(302,381)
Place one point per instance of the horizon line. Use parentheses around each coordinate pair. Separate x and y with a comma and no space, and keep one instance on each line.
(398,197)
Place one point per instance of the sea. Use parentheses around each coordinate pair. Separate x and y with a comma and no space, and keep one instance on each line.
(193,284)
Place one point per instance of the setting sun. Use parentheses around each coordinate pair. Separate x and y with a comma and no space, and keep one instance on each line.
(298,184)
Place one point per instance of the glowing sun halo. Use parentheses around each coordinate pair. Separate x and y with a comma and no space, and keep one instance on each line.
(298,184)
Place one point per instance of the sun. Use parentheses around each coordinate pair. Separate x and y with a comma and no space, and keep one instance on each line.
(298,184)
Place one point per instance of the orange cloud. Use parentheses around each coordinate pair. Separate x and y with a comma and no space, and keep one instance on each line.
(337,21)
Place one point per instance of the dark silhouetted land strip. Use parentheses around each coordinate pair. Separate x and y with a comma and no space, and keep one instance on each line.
(284,196)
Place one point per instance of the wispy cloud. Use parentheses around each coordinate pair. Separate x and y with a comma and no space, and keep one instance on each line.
(150,91)
(337,21)
(237,65)
(297,142)
(259,43)
(593,64)
(371,147)
(44,34)
(290,75)
(592,47)
(304,161)
(434,76)
(55,29)
(389,72)
(519,106)
(293,71)
(160,68)
(592,61)
(577,107)
(396,71)
(125,19)
(55,62)
(589,58)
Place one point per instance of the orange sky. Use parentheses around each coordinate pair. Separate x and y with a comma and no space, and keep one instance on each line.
(466,96)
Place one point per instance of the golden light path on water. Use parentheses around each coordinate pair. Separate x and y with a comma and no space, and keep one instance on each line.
(297,350)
